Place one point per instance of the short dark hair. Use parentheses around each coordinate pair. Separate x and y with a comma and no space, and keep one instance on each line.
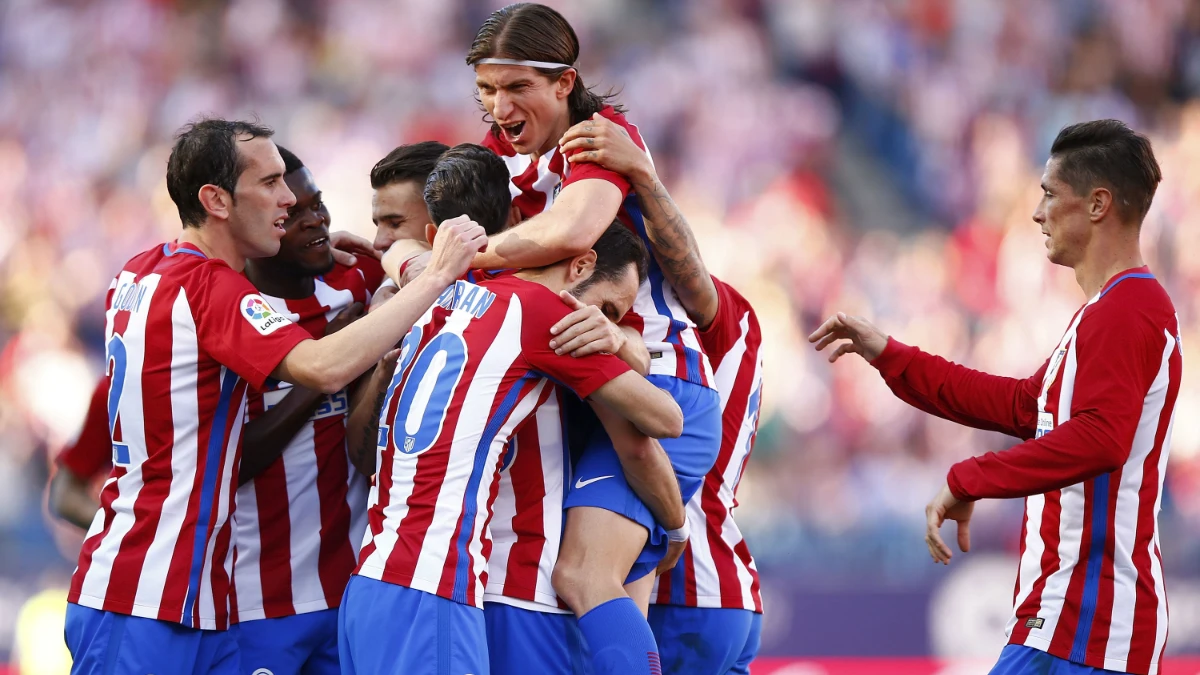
(290,161)
(407,162)
(206,153)
(531,32)
(616,249)
(1107,153)
(469,179)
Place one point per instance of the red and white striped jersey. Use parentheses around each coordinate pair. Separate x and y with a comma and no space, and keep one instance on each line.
(657,313)
(471,372)
(527,520)
(1098,418)
(299,523)
(185,334)
(716,569)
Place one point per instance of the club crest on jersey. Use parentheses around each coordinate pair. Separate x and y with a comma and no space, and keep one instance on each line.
(260,315)
(467,297)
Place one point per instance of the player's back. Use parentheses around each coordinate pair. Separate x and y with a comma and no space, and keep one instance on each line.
(159,546)
(471,371)
(718,570)
(298,524)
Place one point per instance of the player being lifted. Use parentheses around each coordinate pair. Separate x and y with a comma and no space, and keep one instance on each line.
(524,57)
(186,334)
(1096,421)
(707,612)
(301,507)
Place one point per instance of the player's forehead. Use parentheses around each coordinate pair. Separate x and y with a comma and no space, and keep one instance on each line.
(1051,174)
(302,184)
(260,157)
(499,76)
(402,198)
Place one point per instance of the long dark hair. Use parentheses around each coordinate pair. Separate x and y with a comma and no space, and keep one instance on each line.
(528,31)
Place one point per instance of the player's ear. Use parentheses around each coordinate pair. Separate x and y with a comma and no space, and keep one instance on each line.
(566,83)
(430,232)
(1100,203)
(582,265)
(514,217)
(216,201)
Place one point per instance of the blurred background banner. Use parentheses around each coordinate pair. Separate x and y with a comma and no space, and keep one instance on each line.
(876,156)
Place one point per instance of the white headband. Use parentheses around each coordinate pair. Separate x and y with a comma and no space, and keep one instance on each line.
(518,62)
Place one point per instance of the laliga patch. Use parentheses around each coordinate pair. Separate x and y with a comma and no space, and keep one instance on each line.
(260,315)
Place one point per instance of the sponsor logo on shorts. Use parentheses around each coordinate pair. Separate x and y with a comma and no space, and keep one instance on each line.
(581,483)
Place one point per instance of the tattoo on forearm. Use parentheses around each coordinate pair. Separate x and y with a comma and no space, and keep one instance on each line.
(674,245)
(370,436)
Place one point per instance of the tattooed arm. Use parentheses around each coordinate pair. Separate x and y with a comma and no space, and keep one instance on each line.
(674,246)
(362,425)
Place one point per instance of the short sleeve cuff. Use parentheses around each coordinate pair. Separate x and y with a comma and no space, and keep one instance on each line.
(589,385)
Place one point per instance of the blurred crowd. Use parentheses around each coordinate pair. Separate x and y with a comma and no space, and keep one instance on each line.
(781,126)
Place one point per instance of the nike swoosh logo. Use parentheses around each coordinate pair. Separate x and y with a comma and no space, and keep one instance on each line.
(581,483)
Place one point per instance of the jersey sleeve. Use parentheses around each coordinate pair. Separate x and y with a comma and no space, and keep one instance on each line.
(1117,359)
(582,375)
(960,394)
(90,452)
(585,170)
(720,335)
(238,328)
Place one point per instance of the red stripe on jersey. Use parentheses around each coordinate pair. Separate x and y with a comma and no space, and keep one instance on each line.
(689,577)
(335,561)
(743,553)
(1068,617)
(529,491)
(275,553)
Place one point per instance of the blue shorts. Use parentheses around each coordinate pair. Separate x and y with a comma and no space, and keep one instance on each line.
(703,641)
(385,629)
(524,641)
(107,643)
(600,482)
(1022,660)
(305,644)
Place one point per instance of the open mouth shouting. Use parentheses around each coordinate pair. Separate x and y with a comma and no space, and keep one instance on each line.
(513,131)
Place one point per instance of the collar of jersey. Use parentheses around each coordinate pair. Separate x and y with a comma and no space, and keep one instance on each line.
(1142,272)
(182,248)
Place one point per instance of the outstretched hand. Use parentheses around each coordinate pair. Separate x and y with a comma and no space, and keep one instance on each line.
(862,337)
(946,507)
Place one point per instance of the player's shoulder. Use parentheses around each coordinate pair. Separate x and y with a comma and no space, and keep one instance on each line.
(622,120)
(535,299)
(354,278)
(1134,300)
(731,304)
(496,143)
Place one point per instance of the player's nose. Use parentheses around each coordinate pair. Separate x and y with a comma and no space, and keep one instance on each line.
(502,105)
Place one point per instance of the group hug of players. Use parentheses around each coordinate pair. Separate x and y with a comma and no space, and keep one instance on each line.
(513,446)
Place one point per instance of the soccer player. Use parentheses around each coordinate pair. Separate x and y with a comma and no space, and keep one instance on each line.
(707,612)
(473,371)
(524,58)
(398,205)
(186,334)
(1095,420)
(301,504)
(72,489)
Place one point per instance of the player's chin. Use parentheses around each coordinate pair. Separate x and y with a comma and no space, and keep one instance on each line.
(318,263)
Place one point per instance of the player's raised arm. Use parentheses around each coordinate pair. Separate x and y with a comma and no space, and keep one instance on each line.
(334,361)
(933,384)
(600,141)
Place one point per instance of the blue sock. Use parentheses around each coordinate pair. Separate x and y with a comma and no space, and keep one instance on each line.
(620,639)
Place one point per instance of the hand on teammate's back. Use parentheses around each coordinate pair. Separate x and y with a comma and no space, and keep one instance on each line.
(346,246)
(862,337)
(344,318)
(600,141)
(457,242)
(585,331)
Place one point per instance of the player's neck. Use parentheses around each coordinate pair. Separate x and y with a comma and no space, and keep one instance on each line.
(1106,259)
(553,138)
(276,281)
(215,243)
(551,277)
